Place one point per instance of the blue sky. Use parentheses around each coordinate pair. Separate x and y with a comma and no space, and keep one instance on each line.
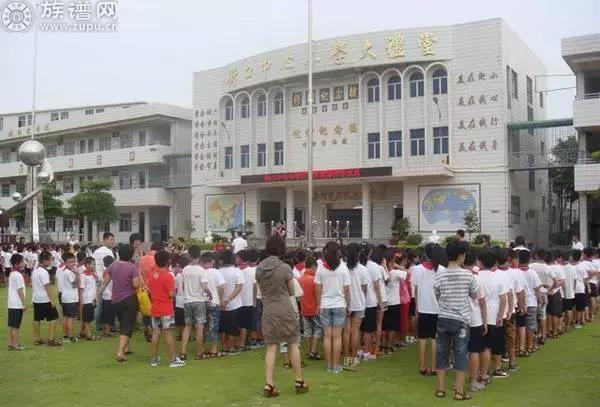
(160,43)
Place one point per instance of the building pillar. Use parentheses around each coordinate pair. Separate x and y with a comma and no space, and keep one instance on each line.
(147,231)
(366,211)
(583,218)
(172,211)
(289,212)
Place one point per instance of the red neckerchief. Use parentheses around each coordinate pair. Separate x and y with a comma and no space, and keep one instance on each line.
(573,263)
(428,265)
(89,273)
(503,268)
(243,266)
(523,268)
(494,269)
(474,271)
(326,265)
(300,266)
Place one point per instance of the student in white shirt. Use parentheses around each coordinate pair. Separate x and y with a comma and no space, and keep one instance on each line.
(43,308)
(88,297)
(230,302)
(239,243)
(577,245)
(216,286)
(507,264)
(108,311)
(581,282)
(394,267)
(373,303)
(556,276)
(16,300)
(568,291)
(248,295)
(375,265)
(333,300)
(70,295)
(592,292)
(541,268)
(532,295)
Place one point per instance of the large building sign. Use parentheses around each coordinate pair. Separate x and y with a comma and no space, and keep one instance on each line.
(317,175)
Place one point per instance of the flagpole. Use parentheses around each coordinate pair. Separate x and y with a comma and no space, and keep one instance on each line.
(35,226)
(309,222)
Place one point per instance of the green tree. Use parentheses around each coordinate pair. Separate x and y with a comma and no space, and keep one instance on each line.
(561,181)
(94,203)
(471,220)
(53,205)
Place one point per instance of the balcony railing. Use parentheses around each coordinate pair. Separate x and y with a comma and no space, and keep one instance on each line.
(171,181)
(524,160)
(588,96)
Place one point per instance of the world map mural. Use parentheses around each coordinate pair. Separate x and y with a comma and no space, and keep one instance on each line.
(442,208)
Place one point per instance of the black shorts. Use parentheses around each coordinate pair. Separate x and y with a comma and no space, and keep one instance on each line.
(126,311)
(179,317)
(228,323)
(369,322)
(495,340)
(412,307)
(568,304)
(476,344)
(555,304)
(108,312)
(244,317)
(60,299)
(44,311)
(593,290)
(427,326)
(15,317)
(521,320)
(70,310)
(87,313)
(391,318)
(580,302)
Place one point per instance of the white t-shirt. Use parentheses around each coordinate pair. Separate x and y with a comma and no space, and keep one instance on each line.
(239,243)
(215,280)
(519,283)
(56,260)
(577,246)
(359,276)
(591,267)
(39,279)
(333,283)
(31,259)
(542,271)
(494,286)
(376,268)
(107,293)
(374,278)
(99,256)
(88,284)
(232,276)
(581,274)
(247,293)
(557,272)
(298,293)
(423,278)
(533,282)
(59,278)
(194,276)
(70,290)
(15,283)
(6,259)
(476,318)
(570,277)
(392,287)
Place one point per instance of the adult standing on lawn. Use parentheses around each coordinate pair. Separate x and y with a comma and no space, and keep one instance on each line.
(108,242)
(124,275)
(279,322)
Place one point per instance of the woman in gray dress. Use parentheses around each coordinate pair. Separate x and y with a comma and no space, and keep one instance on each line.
(279,322)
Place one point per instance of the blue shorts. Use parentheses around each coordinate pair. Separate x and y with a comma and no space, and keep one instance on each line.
(333,317)
(452,334)
(257,315)
(167,322)
(312,327)
(212,323)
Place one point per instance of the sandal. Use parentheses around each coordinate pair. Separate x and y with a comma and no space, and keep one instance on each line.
(522,354)
(425,372)
(121,358)
(53,342)
(39,342)
(300,387)
(461,396)
(440,394)
(215,355)
(200,356)
(92,338)
(287,365)
(270,391)
(182,356)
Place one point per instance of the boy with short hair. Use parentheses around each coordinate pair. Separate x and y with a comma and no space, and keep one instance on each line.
(43,309)
(556,274)
(88,297)
(161,284)
(541,268)
(108,311)
(216,285)
(532,295)
(16,301)
(70,295)
(569,291)
(248,296)
(310,315)
(581,282)
(230,302)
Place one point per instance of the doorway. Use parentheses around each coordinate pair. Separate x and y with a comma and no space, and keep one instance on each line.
(90,231)
(142,224)
(354,216)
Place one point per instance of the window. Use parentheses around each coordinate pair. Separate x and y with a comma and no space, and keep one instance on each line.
(69,148)
(81,183)
(64,115)
(90,145)
(440,82)
(514,80)
(541,100)
(515,209)
(100,110)
(54,117)
(440,140)
(125,222)
(417,85)
(5,156)
(530,119)
(82,145)
(5,190)
(142,179)
(142,138)
(228,158)
(395,143)
(261,106)
(261,156)
(105,227)
(67,224)
(89,112)
(278,153)
(529,91)
(531,180)
(126,140)
(245,156)
(394,88)
(278,104)
(125,180)
(20,188)
(229,110)
(245,108)
(508,87)
(68,186)
(1,123)
(374,146)
(51,150)
(105,143)
(417,142)
(22,121)
(373,91)
(51,225)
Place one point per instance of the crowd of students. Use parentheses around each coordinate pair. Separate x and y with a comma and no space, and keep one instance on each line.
(478,309)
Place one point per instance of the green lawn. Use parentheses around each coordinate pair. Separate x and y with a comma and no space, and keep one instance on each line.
(563,373)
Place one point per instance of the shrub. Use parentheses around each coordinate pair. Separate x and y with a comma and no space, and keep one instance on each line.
(203,246)
(414,239)
(482,238)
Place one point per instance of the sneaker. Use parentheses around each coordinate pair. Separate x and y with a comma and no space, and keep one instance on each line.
(73,339)
(154,362)
(65,339)
(369,356)
(349,364)
(577,326)
(512,367)
(177,363)
(356,361)
(505,358)
(360,354)
(476,386)
(500,374)
(54,342)
(337,370)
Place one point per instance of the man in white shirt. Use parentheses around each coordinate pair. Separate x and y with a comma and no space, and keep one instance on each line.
(532,295)
(108,242)
(16,300)
(43,308)
(516,310)
(216,286)
(70,295)
(592,269)
(239,243)
(576,244)
(556,274)
(541,268)
(581,282)
(248,294)
(569,291)
(230,302)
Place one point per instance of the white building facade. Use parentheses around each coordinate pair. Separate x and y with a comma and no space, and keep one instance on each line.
(407,123)
(141,149)
(582,54)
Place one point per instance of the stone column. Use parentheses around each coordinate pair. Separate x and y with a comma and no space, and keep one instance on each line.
(583,218)
(366,211)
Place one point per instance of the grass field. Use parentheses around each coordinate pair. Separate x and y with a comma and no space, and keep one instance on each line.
(562,373)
